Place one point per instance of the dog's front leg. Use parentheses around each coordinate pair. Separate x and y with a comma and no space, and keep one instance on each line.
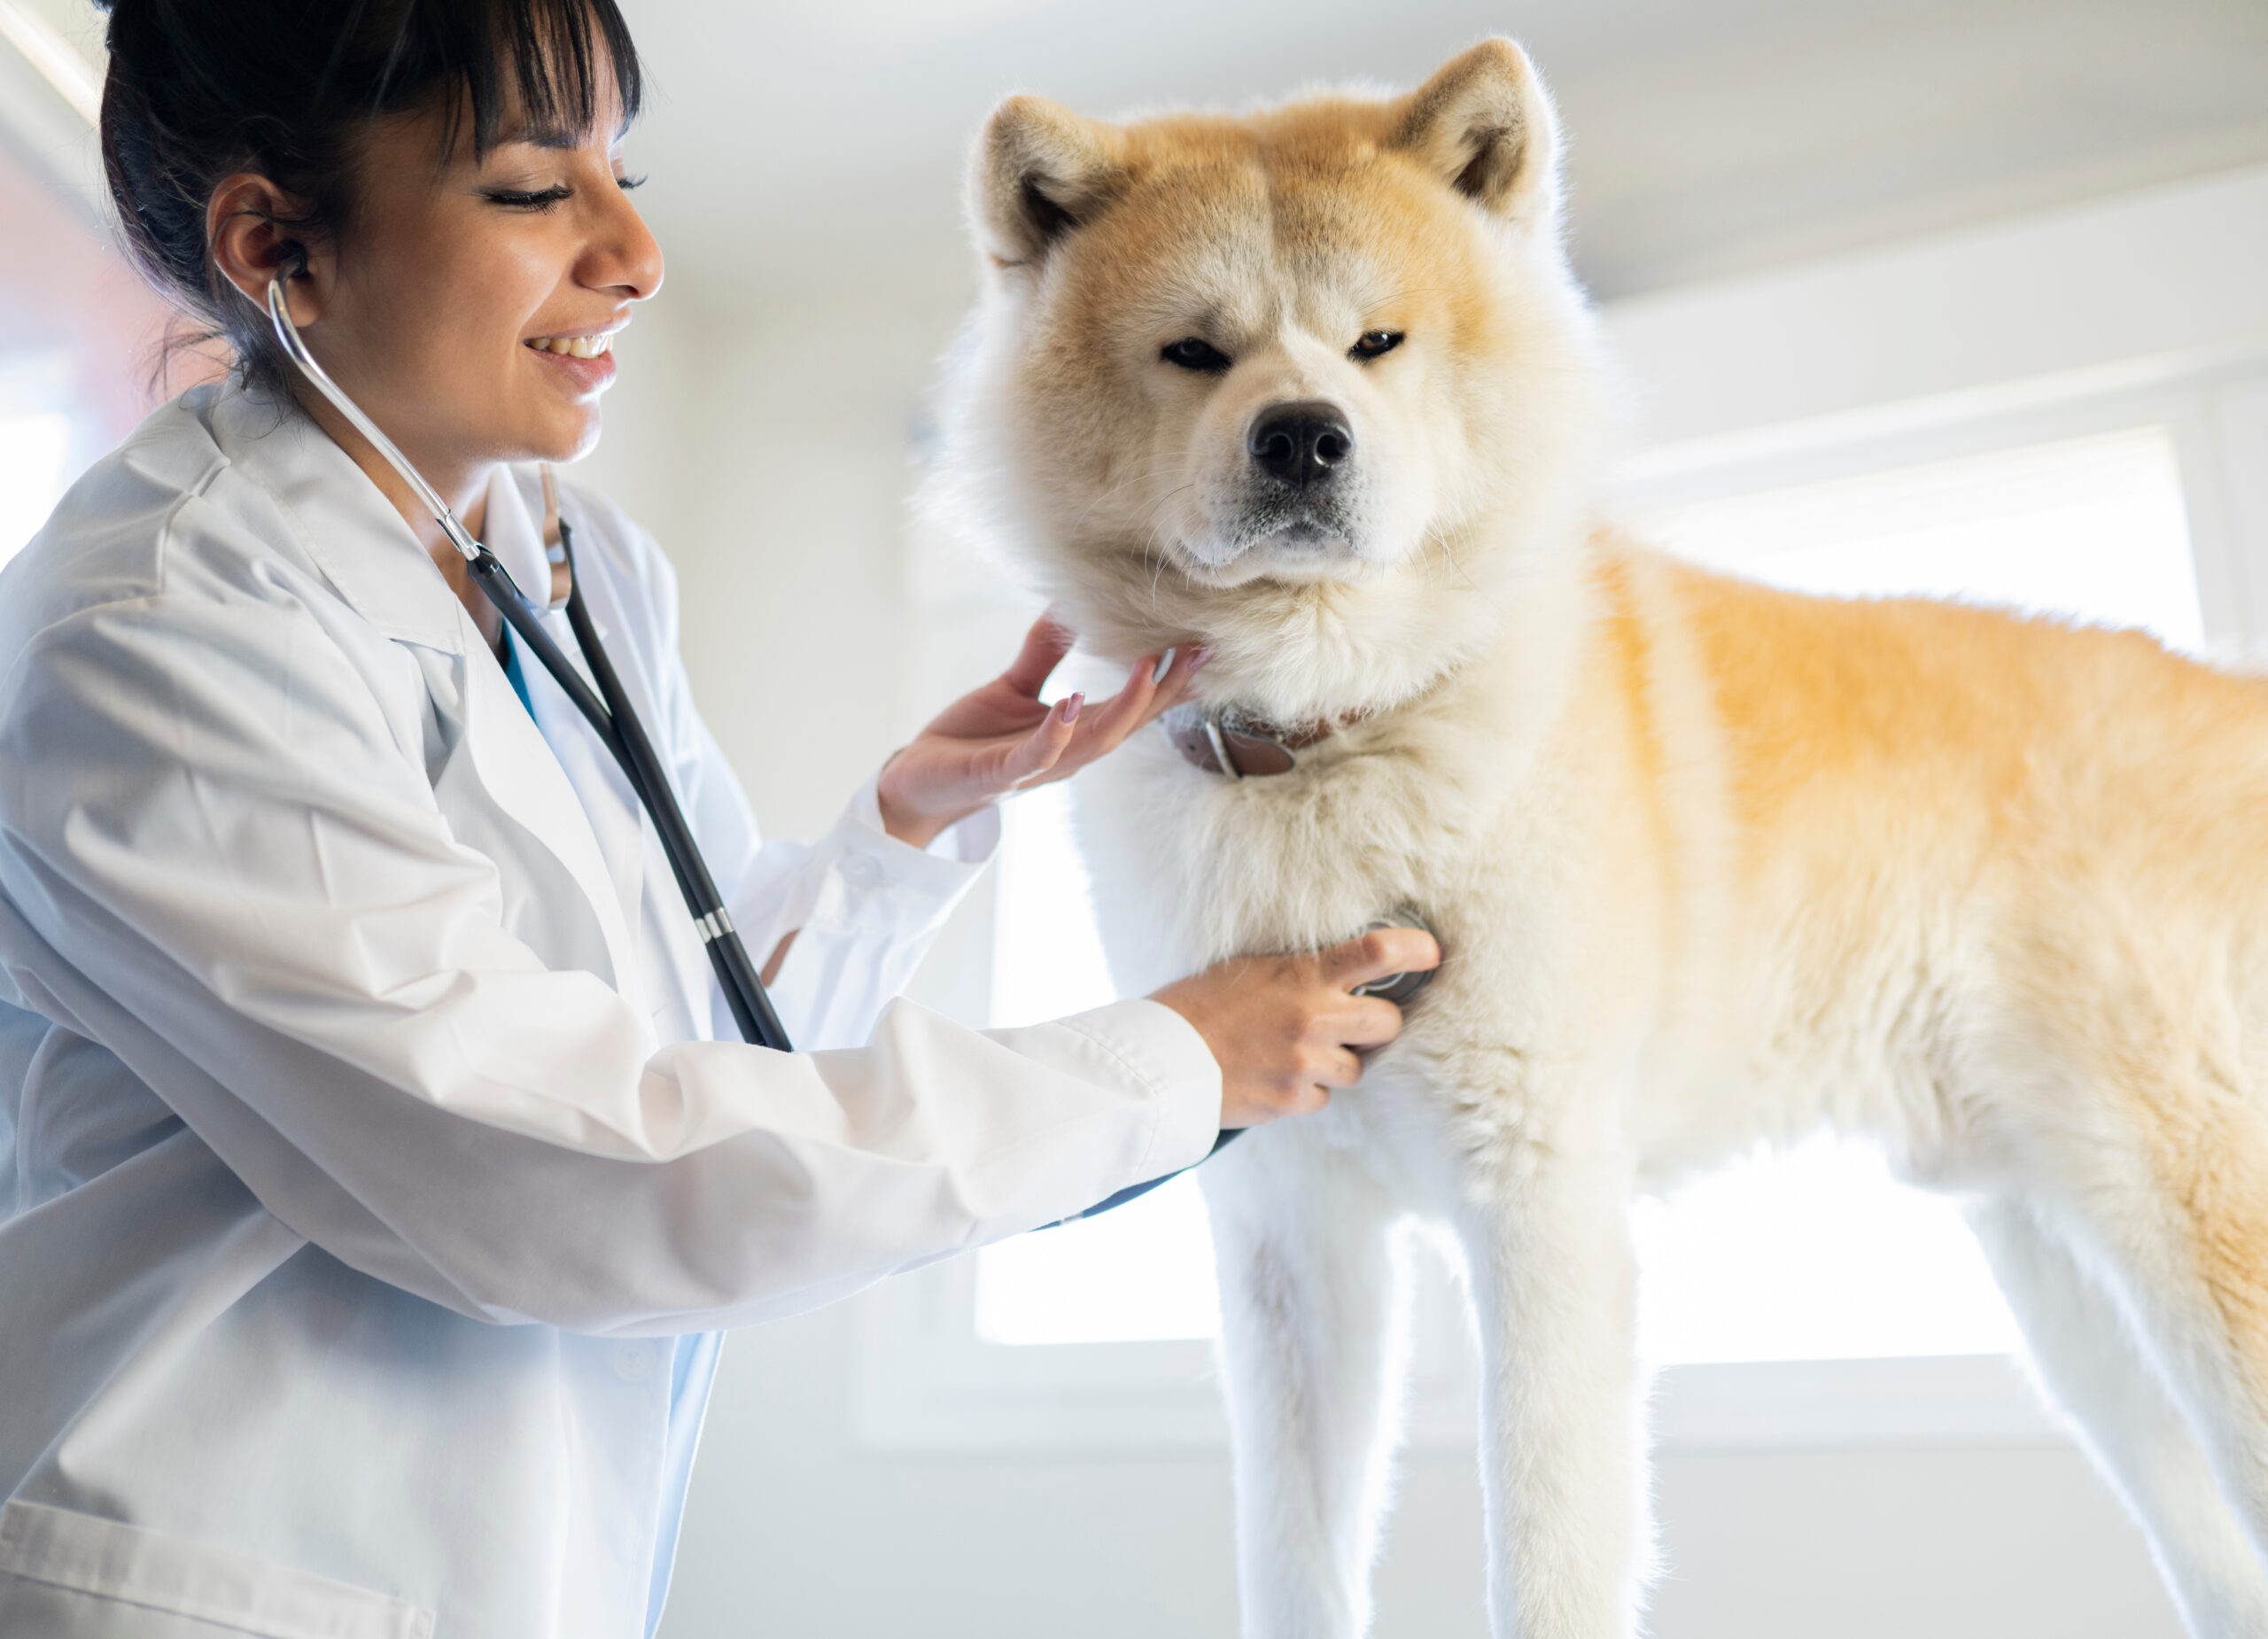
(1547,1240)
(1311,1353)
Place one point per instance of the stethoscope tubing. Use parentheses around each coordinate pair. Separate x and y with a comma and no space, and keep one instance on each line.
(609,712)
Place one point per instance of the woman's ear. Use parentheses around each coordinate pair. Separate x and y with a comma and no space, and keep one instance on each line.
(1486,126)
(1038,172)
(247,224)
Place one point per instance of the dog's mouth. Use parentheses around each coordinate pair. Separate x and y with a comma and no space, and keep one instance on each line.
(1304,533)
(1295,518)
(1277,534)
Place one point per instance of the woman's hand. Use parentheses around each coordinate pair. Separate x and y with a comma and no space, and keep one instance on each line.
(1001,739)
(1288,1029)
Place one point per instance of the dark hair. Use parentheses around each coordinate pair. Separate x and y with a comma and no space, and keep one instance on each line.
(200,89)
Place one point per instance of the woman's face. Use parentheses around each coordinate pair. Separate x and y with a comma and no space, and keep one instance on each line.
(457,289)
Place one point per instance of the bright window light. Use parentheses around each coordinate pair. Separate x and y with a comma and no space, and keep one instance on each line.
(1810,1254)
(32,449)
(2091,528)
(1141,1274)
(1048,957)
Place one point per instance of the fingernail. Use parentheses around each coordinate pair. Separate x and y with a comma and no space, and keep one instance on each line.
(1165,664)
(1071,708)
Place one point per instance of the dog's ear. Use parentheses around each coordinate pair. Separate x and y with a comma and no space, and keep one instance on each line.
(1485,125)
(1038,172)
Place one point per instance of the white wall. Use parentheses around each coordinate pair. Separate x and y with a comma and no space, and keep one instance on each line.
(770,451)
(770,455)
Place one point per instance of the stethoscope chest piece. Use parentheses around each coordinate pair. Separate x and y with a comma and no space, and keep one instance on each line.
(1398,988)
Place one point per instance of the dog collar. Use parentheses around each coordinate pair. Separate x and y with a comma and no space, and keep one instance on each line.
(1225,741)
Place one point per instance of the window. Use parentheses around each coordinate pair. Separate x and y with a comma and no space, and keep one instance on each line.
(77,356)
(2090,527)
(1813,1255)
(33,450)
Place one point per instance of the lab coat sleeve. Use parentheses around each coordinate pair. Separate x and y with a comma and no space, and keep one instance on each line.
(216,860)
(864,908)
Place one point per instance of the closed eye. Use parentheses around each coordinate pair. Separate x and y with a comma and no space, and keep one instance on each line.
(528,198)
(1193,354)
(1374,344)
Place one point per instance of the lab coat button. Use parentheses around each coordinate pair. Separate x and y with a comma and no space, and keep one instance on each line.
(633,1363)
(861,872)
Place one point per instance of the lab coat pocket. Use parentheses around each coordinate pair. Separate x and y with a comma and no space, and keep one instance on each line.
(74,1576)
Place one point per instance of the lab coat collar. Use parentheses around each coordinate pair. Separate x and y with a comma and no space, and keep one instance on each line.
(512,530)
(364,547)
(673,962)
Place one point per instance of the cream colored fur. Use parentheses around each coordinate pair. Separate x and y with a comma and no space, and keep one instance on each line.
(1711,863)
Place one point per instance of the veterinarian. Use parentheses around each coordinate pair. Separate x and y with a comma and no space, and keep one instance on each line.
(378,1180)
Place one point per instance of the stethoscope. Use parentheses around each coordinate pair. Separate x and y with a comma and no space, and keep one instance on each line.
(607,708)
(610,714)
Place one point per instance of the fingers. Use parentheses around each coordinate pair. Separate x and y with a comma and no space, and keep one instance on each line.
(1124,711)
(1173,680)
(1044,646)
(1040,751)
(1380,952)
(1148,693)
(1372,1022)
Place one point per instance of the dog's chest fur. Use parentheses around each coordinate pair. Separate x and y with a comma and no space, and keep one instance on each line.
(1558,812)
(1479,808)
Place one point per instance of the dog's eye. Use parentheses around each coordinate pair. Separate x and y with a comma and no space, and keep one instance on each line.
(1192,354)
(1374,343)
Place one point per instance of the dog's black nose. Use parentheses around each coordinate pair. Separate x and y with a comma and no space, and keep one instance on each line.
(1302,443)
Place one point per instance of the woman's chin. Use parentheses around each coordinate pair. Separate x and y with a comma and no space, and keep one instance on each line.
(562,440)
(586,439)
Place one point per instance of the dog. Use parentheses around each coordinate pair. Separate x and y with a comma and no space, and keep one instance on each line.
(1714,864)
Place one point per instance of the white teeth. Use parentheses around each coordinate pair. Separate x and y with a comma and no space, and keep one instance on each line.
(575,346)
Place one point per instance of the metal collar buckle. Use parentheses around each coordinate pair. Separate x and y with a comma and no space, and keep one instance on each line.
(1223,741)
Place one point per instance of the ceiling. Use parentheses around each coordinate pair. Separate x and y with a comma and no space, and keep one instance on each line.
(807,148)
(824,143)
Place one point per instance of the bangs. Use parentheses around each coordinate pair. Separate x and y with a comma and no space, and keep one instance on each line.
(542,65)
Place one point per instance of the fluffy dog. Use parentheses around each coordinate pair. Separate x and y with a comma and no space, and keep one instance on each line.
(1712,863)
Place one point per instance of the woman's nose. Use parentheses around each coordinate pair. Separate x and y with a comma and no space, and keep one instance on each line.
(627,256)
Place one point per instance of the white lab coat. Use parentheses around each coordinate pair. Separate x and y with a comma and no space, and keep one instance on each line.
(367,1158)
